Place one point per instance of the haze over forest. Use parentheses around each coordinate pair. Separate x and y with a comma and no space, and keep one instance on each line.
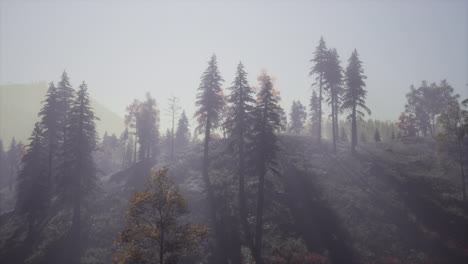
(158,46)
(243,132)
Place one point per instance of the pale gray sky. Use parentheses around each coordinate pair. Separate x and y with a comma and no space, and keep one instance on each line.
(124,48)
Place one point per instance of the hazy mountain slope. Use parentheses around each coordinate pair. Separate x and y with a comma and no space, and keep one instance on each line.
(391,203)
(20,103)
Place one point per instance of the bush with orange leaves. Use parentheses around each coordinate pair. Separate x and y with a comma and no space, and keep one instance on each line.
(153,232)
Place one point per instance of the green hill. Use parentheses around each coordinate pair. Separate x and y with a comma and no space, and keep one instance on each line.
(20,103)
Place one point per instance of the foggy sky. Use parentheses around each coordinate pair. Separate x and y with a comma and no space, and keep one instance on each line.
(124,48)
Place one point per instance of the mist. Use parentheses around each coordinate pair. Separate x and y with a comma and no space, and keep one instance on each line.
(233,131)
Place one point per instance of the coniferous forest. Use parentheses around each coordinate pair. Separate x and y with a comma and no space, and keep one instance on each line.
(240,175)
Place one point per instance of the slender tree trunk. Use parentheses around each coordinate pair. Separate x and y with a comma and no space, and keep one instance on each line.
(242,199)
(172,136)
(76,221)
(124,154)
(220,256)
(76,227)
(320,111)
(11,178)
(261,196)
(333,118)
(49,171)
(135,149)
(336,121)
(259,219)
(353,131)
(32,231)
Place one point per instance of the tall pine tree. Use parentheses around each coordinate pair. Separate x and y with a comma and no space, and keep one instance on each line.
(333,76)
(32,193)
(318,68)
(239,122)
(65,97)
(210,102)
(148,128)
(50,120)
(354,95)
(182,135)
(124,141)
(265,146)
(131,122)
(78,166)
(298,117)
(129,152)
(314,113)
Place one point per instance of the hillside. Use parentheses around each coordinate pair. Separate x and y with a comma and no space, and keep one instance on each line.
(391,203)
(20,103)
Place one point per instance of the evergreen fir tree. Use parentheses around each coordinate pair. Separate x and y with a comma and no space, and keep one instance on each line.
(124,141)
(354,95)
(65,98)
(315,114)
(14,155)
(210,102)
(333,76)
(32,193)
(131,122)
(265,146)
(148,128)
(182,136)
(167,142)
(239,122)
(283,118)
(298,117)
(318,68)
(50,120)
(79,169)
(129,151)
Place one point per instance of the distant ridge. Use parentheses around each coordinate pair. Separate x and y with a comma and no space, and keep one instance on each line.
(20,103)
